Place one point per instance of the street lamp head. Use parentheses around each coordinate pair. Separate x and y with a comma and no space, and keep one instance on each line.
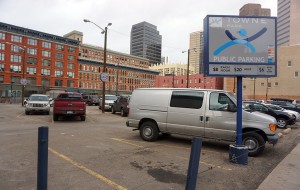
(102,32)
(109,24)
(183,51)
(86,20)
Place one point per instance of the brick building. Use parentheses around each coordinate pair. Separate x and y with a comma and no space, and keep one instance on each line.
(47,61)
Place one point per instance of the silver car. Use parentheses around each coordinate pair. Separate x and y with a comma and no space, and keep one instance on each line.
(109,100)
(37,103)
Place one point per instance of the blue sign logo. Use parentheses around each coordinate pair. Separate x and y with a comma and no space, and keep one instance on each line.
(234,40)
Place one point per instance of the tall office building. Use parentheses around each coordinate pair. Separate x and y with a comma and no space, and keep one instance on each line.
(196,51)
(145,41)
(252,9)
(288,25)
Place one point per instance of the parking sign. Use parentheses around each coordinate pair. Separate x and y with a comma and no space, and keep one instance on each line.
(104,77)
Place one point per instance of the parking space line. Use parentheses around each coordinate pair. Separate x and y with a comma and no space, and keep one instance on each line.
(89,171)
(124,141)
(205,163)
(20,116)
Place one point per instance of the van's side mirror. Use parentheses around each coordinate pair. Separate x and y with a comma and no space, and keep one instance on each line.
(231,108)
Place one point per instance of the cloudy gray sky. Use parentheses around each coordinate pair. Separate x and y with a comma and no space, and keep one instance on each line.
(175,20)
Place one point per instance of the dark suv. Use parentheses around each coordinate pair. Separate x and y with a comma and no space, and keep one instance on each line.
(283,118)
(91,99)
(121,105)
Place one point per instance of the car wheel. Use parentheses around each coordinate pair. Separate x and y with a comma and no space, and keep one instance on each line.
(123,114)
(281,123)
(113,111)
(254,142)
(89,103)
(82,118)
(149,131)
(26,112)
(48,113)
(55,117)
(99,108)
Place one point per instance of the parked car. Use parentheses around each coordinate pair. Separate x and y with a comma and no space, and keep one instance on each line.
(205,113)
(283,118)
(121,105)
(282,100)
(275,107)
(69,104)
(37,103)
(109,100)
(91,99)
(287,105)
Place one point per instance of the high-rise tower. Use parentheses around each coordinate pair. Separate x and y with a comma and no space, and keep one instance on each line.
(145,41)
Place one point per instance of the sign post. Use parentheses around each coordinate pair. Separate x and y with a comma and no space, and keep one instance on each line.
(240,46)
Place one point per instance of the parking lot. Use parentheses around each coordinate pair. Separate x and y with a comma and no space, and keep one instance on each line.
(102,153)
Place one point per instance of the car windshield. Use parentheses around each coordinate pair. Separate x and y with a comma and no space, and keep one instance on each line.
(275,107)
(38,98)
(110,97)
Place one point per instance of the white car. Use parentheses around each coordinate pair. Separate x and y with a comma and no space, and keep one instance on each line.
(109,100)
(37,103)
(275,107)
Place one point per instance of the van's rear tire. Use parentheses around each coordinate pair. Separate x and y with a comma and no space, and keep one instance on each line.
(255,143)
(149,131)
(55,117)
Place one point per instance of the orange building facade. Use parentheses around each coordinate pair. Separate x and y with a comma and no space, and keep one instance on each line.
(44,60)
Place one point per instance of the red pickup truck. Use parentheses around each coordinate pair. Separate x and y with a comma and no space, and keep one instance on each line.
(69,104)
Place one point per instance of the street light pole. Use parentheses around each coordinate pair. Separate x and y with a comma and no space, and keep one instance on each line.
(188,66)
(23,76)
(104,31)
(117,83)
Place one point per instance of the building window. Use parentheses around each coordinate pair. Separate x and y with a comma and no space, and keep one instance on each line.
(58,64)
(15,58)
(45,82)
(58,82)
(276,84)
(70,83)
(244,86)
(71,57)
(1,78)
(2,36)
(46,53)
(31,70)
(2,56)
(2,46)
(296,74)
(1,67)
(46,72)
(31,60)
(14,48)
(31,42)
(16,38)
(59,47)
(71,66)
(32,51)
(59,55)
(289,63)
(71,49)
(46,44)
(70,74)
(269,84)
(262,84)
(58,73)
(31,81)
(46,62)
(15,69)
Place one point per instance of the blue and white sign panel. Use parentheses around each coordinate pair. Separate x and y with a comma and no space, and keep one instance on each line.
(240,46)
(104,77)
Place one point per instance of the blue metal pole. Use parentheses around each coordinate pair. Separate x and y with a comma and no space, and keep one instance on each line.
(42,174)
(239,111)
(193,164)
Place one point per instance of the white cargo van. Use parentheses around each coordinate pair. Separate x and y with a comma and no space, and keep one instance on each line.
(197,112)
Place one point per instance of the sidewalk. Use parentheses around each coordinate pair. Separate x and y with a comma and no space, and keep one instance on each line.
(286,175)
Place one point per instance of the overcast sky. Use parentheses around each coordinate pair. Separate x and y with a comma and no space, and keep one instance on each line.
(175,20)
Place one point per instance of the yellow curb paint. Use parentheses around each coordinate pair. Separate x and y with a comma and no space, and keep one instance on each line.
(87,170)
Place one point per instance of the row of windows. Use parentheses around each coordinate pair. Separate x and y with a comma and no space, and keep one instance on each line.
(34,42)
